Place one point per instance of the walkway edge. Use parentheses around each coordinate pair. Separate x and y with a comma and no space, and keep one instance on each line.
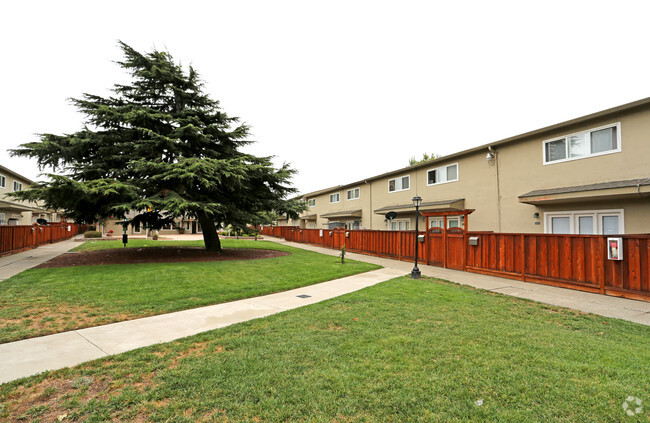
(32,356)
(604,305)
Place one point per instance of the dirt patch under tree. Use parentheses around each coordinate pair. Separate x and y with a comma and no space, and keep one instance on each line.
(156,255)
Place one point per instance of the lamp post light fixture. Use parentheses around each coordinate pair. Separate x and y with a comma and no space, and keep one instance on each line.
(417,201)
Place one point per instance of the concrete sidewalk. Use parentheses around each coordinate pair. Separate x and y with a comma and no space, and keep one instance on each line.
(31,356)
(13,264)
(24,358)
(620,308)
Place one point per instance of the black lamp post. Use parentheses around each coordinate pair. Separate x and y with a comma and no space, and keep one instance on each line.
(415,273)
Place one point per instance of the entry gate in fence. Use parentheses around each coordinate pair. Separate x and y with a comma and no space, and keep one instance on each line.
(569,261)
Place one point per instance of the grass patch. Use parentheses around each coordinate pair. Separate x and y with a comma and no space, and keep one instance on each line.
(141,243)
(44,301)
(403,350)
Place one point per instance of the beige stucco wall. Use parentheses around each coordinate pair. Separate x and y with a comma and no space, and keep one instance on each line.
(25,216)
(476,184)
(324,206)
(518,168)
(521,169)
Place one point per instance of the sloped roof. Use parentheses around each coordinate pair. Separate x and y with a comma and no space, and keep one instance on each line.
(589,187)
(639,104)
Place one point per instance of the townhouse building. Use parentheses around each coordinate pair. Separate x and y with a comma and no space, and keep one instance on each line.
(17,212)
(589,175)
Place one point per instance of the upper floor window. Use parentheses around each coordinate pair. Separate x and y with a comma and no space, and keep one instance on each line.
(3,181)
(399,184)
(311,202)
(442,174)
(602,140)
(18,186)
(354,193)
(335,198)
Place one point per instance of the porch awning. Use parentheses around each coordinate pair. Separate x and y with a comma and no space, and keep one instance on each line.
(6,205)
(308,217)
(614,190)
(342,213)
(457,204)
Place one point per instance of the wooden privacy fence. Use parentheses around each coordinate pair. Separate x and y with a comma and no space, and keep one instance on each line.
(569,261)
(14,239)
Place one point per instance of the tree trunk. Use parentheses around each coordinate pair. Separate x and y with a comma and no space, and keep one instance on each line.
(210,236)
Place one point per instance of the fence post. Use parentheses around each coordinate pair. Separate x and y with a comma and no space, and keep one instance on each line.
(445,243)
(523,257)
(602,244)
(399,246)
(465,241)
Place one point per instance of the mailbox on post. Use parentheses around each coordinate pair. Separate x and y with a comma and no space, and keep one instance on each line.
(125,239)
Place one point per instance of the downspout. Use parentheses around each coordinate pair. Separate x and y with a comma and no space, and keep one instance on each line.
(494,154)
(370,201)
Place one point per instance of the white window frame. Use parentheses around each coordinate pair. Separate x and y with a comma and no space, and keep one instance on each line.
(311,202)
(347,194)
(3,220)
(438,169)
(338,198)
(400,178)
(3,181)
(407,225)
(576,214)
(587,135)
(350,224)
(433,221)
(19,185)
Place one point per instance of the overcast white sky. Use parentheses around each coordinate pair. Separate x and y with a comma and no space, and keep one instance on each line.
(342,90)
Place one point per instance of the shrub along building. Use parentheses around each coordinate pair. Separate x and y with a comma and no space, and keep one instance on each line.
(17,212)
(589,175)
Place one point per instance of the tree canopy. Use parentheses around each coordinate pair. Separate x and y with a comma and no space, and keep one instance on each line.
(425,158)
(158,143)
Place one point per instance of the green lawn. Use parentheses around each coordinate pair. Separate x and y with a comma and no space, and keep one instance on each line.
(43,301)
(140,243)
(400,351)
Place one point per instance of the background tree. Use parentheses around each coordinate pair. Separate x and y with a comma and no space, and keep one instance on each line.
(159,142)
(425,157)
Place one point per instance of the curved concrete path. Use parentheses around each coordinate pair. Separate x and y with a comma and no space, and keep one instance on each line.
(24,358)
(31,356)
